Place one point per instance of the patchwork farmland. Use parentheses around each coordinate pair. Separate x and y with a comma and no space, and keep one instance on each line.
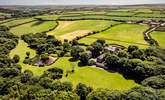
(112,48)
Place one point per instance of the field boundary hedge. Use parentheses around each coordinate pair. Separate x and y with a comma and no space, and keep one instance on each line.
(21,24)
(7,21)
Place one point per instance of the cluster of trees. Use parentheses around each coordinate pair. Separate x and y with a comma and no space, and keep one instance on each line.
(46,45)
(25,86)
(93,51)
(8,66)
(157,82)
(131,62)
(41,42)
(8,41)
(15,84)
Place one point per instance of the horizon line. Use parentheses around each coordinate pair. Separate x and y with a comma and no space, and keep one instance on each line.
(84,4)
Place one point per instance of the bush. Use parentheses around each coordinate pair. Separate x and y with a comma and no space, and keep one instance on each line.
(82,90)
(157,82)
(105,94)
(141,93)
(16,58)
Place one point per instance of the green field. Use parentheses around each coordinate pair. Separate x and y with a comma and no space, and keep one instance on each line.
(85,74)
(159,37)
(18,21)
(124,34)
(71,29)
(48,17)
(120,13)
(124,10)
(21,50)
(105,17)
(151,15)
(4,14)
(33,27)
(144,10)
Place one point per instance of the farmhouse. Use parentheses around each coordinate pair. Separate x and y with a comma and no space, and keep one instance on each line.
(111,48)
(100,58)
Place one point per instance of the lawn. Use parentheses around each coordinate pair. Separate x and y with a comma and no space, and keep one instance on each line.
(33,27)
(18,21)
(71,29)
(160,37)
(123,34)
(89,75)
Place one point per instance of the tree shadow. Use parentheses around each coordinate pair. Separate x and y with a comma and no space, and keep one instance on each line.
(37,23)
(73,59)
(80,64)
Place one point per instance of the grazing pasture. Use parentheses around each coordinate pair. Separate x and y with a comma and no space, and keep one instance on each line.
(48,17)
(17,22)
(159,37)
(123,10)
(4,14)
(154,15)
(21,50)
(120,13)
(143,10)
(124,34)
(33,27)
(71,29)
(86,74)
(106,17)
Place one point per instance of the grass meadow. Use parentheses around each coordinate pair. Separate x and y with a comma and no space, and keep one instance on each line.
(33,27)
(159,37)
(123,34)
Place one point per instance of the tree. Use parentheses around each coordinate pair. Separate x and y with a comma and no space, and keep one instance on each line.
(75,52)
(102,42)
(82,90)
(141,93)
(9,72)
(66,46)
(96,48)
(132,48)
(84,58)
(53,73)
(138,54)
(4,28)
(16,58)
(161,94)
(28,54)
(74,42)
(44,57)
(26,76)
(46,82)
(122,54)
(157,82)
(62,95)
(112,60)
(105,94)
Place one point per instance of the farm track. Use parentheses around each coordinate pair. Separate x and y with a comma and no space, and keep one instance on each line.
(148,36)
